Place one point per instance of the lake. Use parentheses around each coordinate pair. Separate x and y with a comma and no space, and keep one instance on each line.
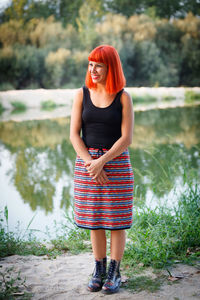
(37,160)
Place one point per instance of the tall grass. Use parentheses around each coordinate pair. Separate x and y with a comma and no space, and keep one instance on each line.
(158,237)
(161,236)
(24,242)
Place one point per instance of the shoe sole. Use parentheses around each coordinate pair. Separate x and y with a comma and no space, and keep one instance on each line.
(93,290)
(109,291)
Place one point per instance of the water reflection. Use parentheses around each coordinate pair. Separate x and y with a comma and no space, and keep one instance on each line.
(165,151)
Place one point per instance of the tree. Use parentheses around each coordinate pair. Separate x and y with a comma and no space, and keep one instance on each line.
(90,14)
(163,9)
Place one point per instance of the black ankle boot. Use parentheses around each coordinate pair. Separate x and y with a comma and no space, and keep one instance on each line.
(113,279)
(99,275)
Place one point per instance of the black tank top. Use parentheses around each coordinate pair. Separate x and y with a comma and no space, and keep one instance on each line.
(101,127)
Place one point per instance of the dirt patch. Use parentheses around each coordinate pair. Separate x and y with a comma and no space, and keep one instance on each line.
(66,277)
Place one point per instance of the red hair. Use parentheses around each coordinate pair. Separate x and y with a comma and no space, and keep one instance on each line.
(108,55)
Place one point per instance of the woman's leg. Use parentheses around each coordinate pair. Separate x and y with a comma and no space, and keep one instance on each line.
(98,239)
(117,244)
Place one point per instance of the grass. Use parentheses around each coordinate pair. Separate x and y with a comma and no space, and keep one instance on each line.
(18,106)
(161,236)
(140,283)
(13,286)
(25,242)
(168,98)
(143,99)
(191,96)
(49,105)
(1,108)
(158,238)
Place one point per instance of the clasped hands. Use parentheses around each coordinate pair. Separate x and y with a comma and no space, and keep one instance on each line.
(96,171)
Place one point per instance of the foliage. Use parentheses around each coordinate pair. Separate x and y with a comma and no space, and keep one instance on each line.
(18,105)
(57,65)
(12,286)
(159,236)
(24,242)
(141,283)
(41,52)
(168,98)
(162,9)
(6,86)
(143,99)
(48,105)
(1,108)
(191,96)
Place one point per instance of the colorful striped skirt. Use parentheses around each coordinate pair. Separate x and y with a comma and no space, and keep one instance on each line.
(104,206)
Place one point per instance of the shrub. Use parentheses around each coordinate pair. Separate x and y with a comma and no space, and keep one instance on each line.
(168,98)
(191,96)
(56,65)
(143,99)
(48,105)
(6,86)
(17,105)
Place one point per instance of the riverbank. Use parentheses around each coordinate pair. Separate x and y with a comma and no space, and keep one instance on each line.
(161,258)
(32,99)
(66,277)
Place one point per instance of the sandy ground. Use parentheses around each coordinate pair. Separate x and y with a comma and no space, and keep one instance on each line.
(66,278)
(33,99)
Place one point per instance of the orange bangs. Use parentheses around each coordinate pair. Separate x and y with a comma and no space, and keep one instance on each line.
(108,55)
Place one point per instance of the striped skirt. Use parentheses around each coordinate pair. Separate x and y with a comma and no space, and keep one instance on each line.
(104,206)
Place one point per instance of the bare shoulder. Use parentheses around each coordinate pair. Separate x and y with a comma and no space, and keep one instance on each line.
(126,98)
(78,97)
(79,94)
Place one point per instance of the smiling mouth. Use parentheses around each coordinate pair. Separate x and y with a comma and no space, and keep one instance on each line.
(95,76)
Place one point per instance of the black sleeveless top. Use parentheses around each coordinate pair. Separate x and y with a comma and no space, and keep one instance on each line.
(101,127)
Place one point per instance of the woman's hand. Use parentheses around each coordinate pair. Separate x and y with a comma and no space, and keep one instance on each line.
(94,167)
(102,178)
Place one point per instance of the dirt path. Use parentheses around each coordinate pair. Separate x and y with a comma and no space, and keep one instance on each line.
(66,278)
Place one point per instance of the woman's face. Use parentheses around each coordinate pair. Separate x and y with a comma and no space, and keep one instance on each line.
(98,72)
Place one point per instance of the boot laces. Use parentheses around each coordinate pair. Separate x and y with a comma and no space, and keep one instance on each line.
(97,272)
(111,270)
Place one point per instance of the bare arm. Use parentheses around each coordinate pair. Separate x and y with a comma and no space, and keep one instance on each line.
(122,143)
(75,127)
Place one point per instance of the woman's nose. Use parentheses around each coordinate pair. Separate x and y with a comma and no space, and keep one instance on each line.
(94,69)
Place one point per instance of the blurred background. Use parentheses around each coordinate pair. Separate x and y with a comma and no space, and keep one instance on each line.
(45,43)
(44,47)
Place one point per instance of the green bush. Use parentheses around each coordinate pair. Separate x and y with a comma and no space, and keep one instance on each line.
(143,99)
(48,105)
(1,108)
(191,96)
(56,66)
(6,86)
(168,98)
(17,105)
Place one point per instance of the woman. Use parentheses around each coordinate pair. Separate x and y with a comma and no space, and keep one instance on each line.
(103,177)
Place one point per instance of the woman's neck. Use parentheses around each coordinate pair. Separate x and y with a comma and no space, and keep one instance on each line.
(101,88)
